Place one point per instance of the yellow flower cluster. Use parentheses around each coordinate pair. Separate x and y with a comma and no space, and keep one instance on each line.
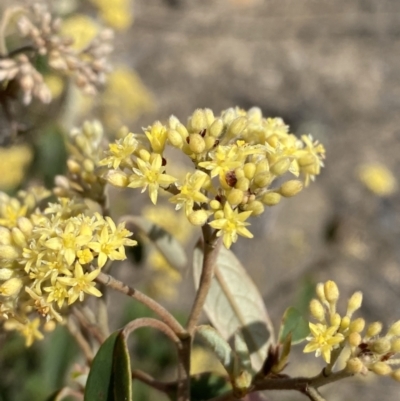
(236,158)
(45,258)
(378,179)
(116,13)
(333,332)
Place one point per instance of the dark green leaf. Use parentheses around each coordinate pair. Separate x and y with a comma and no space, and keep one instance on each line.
(122,381)
(208,385)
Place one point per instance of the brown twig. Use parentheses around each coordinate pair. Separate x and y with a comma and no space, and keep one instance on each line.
(211,248)
(150,380)
(80,339)
(166,316)
(88,325)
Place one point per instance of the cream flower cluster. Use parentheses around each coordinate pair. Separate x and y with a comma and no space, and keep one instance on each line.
(236,156)
(333,333)
(45,258)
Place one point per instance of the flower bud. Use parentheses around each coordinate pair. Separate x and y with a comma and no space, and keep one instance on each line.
(254,115)
(262,166)
(381,346)
(345,323)
(357,325)
(317,310)
(290,188)
(198,121)
(243,184)
(249,170)
(271,198)
(209,141)
(235,196)
(396,375)
(256,207)
(280,167)
(88,165)
(5,236)
(173,122)
(198,217)
(209,114)
(216,128)
(144,155)
(320,291)
(395,329)
(239,173)
(395,347)
(18,237)
(354,303)
(25,225)
(331,291)
(6,274)
(174,138)
(117,178)
(262,179)
(219,214)
(354,366)
(196,143)
(183,132)
(215,205)
(355,339)
(237,126)
(11,287)
(8,252)
(73,166)
(381,368)
(335,320)
(373,329)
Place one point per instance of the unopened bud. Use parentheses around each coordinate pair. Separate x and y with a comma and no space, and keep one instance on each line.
(216,128)
(395,347)
(219,214)
(73,166)
(5,236)
(8,252)
(256,207)
(196,143)
(280,167)
(237,126)
(144,155)
(381,368)
(18,237)
(198,217)
(198,121)
(395,329)
(319,289)
(354,366)
(381,346)
(373,329)
(117,178)
(262,179)
(271,198)
(209,141)
(249,170)
(335,320)
(5,273)
(317,310)
(235,196)
(396,375)
(262,166)
(173,122)
(331,291)
(354,303)
(243,184)
(290,188)
(345,323)
(175,138)
(357,325)
(11,287)
(254,115)
(355,339)
(88,165)
(209,114)
(215,205)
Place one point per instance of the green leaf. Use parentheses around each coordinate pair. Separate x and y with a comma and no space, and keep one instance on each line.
(219,346)
(110,374)
(208,385)
(293,322)
(165,243)
(234,303)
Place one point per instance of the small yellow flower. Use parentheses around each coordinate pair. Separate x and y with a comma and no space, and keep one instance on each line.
(232,224)
(150,175)
(157,136)
(190,192)
(223,159)
(120,152)
(323,340)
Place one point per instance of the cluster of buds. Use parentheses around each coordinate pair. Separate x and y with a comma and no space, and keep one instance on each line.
(237,158)
(88,66)
(50,259)
(84,148)
(333,333)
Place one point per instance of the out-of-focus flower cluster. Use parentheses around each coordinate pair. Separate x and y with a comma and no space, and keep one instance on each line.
(368,349)
(237,158)
(84,147)
(378,179)
(88,65)
(116,13)
(45,257)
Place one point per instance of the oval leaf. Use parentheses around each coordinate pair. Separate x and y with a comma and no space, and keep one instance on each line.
(234,303)
(293,323)
(110,374)
(218,345)
(165,243)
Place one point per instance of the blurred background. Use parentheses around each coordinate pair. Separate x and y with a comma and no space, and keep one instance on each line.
(328,68)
